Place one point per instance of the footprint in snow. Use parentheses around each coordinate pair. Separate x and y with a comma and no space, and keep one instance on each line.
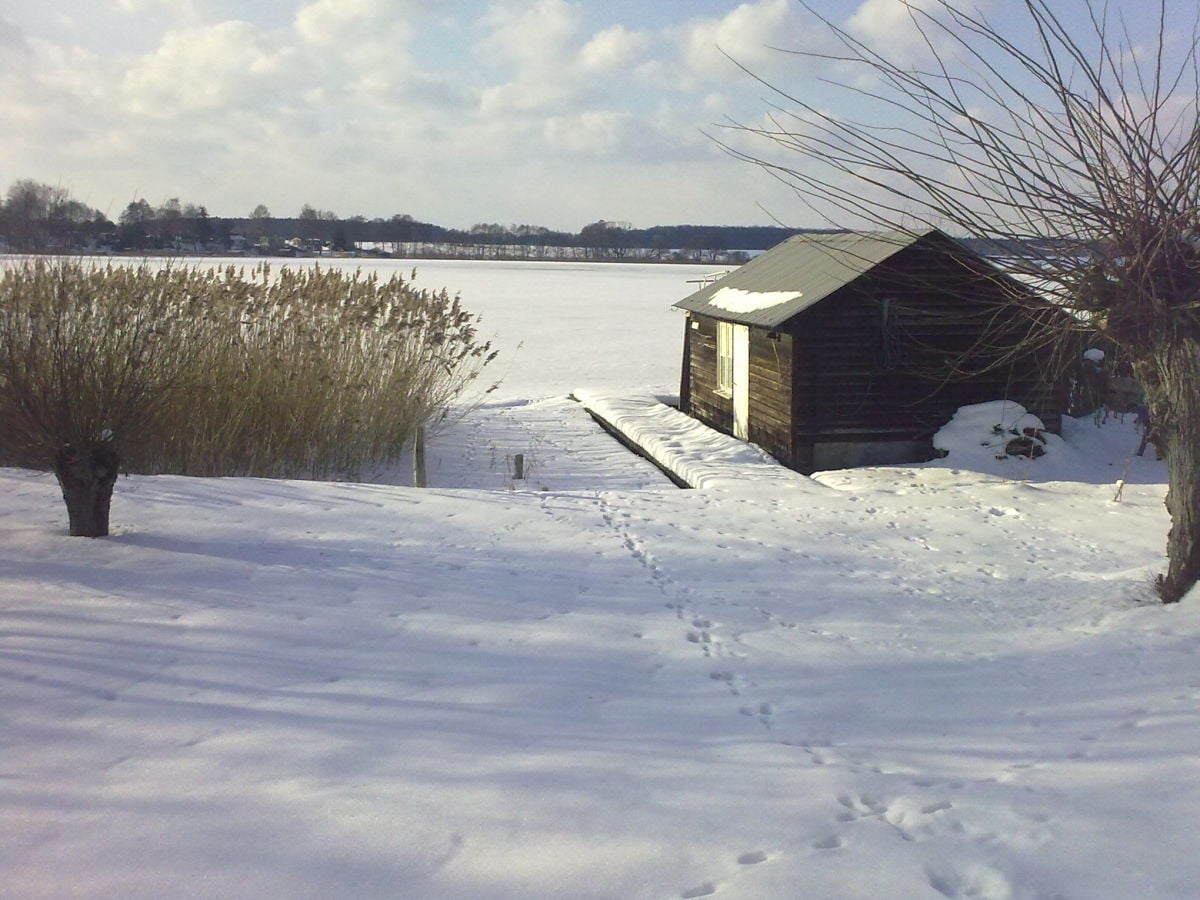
(728,678)
(864,806)
(763,711)
(977,881)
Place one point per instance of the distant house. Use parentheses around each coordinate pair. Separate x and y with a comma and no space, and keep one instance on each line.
(841,349)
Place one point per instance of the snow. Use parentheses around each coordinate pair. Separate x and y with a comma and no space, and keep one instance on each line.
(944,680)
(694,453)
(736,300)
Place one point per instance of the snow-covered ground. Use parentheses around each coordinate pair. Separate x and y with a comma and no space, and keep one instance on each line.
(907,682)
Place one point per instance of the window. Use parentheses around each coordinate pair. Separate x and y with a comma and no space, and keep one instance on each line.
(888,346)
(725,359)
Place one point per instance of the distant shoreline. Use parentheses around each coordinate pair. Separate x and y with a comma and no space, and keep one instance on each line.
(346,255)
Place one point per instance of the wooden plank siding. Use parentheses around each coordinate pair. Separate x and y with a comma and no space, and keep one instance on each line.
(704,402)
(874,359)
(770,386)
(771,392)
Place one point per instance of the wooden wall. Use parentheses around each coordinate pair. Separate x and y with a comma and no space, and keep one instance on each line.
(874,361)
(704,403)
(770,425)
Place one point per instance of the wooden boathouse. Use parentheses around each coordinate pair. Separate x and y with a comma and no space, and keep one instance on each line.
(841,349)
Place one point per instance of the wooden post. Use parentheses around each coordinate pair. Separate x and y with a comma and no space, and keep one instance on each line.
(419,458)
(685,377)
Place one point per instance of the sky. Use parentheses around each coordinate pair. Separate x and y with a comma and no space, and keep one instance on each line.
(542,112)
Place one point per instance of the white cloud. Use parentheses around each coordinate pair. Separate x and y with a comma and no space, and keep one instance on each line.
(612,48)
(144,17)
(894,27)
(140,7)
(336,102)
(596,133)
(67,77)
(362,50)
(14,49)
(535,40)
(747,34)
(204,68)
(536,35)
(526,95)
(326,22)
(550,63)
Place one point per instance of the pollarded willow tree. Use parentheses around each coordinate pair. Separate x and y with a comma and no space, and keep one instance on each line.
(1065,132)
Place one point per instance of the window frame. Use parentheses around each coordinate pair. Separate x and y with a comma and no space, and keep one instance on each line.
(725,359)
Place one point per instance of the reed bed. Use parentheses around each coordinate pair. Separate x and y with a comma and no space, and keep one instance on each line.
(309,372)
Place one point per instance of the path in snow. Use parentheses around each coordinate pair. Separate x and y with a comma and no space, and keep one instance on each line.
(563,450)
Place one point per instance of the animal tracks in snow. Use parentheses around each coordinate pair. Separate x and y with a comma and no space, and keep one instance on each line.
(616,521)
(730,632)
(829,842)
(932,812)
(708,888)
(763,712)
(699,630)
(911,818)
(949,813)
(979,882)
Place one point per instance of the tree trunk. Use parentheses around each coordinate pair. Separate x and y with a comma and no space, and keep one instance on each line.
(1174,395)
(86,476)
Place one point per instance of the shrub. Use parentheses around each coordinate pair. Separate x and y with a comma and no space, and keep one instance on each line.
(310,372)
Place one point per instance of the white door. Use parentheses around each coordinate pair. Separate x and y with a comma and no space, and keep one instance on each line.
(741,381)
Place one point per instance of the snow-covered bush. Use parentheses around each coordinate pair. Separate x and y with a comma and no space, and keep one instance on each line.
(981,434)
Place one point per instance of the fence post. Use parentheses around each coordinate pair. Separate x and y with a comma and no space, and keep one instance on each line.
(419,458)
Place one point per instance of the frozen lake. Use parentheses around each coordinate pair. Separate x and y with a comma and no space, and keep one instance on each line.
(559,325)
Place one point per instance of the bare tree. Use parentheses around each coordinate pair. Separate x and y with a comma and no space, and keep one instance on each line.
(1079,146)
(30,211)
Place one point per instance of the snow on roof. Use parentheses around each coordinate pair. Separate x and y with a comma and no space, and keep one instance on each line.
(736,300)
(797,274)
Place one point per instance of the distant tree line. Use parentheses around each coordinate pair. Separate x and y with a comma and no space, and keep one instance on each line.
(41,218)
(36,217)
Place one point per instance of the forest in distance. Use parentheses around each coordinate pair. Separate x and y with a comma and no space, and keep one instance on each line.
(41,218)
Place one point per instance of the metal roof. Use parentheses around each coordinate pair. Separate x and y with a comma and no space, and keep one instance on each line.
(794,275)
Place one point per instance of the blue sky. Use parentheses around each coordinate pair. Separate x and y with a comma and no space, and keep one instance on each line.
(546,112)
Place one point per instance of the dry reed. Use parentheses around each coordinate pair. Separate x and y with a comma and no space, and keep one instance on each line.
(302,373)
